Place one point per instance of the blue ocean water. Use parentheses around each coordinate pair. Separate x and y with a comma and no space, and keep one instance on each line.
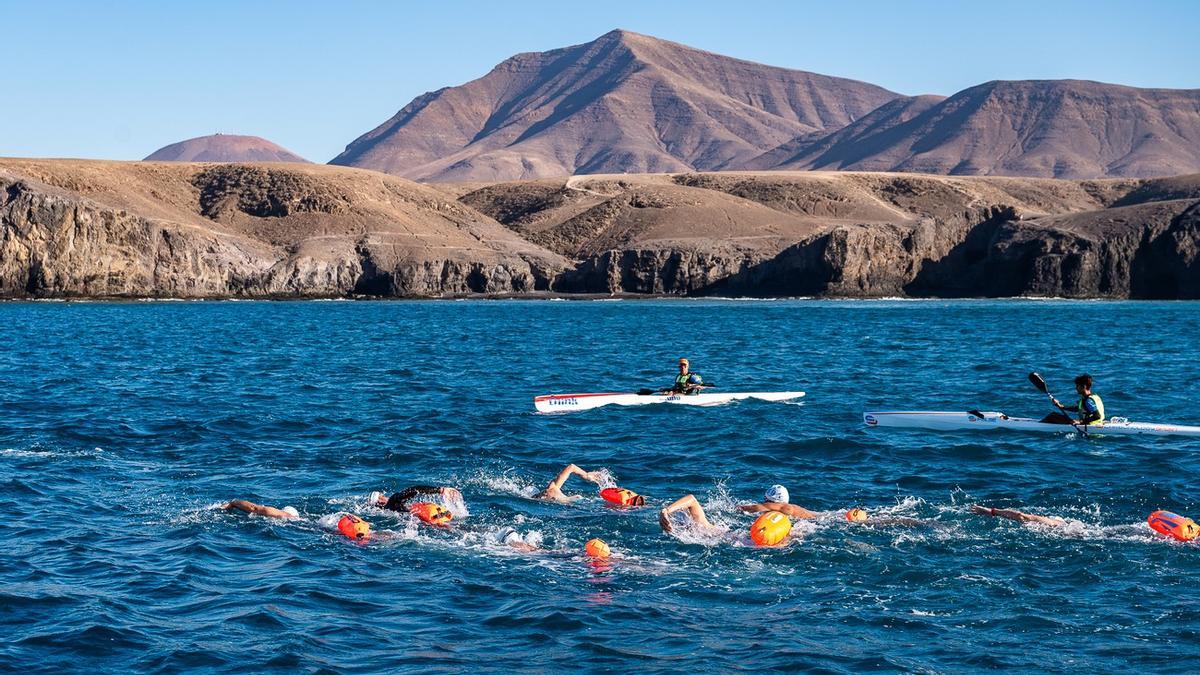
(123,427)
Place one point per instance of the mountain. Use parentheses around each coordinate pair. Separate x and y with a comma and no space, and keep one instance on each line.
(622,103)
(1057,128)
(224,148)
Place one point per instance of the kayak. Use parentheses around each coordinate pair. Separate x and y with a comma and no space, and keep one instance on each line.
(974,420)
(553,403)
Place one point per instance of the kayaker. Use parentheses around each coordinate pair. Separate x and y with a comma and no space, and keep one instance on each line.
(286,513)
(399,500)
(776,499)
(687,382)
(553,491)
(1089,407)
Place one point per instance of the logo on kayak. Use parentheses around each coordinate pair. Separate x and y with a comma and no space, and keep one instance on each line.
(672,398)
(870,419)
(563,401)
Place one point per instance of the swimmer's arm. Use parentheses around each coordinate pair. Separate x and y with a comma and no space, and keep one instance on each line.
(1018,516)
(572,470)
(397,501)
(257,509)
(795,511)
(786,509)
(693,508)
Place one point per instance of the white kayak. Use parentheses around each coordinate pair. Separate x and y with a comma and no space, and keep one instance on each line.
(987,421)
(554,403)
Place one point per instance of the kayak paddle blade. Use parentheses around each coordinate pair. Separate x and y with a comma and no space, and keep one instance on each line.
(1038,382)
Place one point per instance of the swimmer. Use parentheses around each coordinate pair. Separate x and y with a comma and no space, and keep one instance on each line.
(399,500)
(1018,516)
(776,499)
(509,536)
(553,491)
(860,515)
(286,513)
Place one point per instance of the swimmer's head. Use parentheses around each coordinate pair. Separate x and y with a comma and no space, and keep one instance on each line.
(777,493)
(291,511)
(856,515)
(377,499)
(596,548)
(1189,530)
(507,535)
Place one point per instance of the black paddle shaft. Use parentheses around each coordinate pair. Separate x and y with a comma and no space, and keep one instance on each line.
(1041,385)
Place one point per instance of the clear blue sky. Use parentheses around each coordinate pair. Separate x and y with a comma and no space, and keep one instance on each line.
(83,79)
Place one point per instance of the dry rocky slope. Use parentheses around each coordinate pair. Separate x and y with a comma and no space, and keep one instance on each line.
(622,103)
(629,103)
(861,234)
(1059,128)
(224,148)
(72,228)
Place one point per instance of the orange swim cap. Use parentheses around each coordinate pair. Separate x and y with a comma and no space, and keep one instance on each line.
(431,514)
(596,548)
(622,497)
(770,529)
(856,515)
(354,527)
(1174,525)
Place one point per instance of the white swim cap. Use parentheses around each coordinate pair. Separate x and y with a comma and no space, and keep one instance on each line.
(777,493)
(291,511)
(374,498)
(507,534)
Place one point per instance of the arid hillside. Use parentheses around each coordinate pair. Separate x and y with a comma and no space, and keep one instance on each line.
(85,228)
(73,228)
(860,234)
(622,103)
(1056,128)
(224,148)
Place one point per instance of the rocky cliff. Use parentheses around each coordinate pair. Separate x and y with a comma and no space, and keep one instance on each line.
(142,229)
(119,229)
(862,235)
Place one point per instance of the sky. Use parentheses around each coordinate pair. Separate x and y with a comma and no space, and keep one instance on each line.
(86,79)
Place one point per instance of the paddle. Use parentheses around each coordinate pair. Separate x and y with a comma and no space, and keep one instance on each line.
(1041,385)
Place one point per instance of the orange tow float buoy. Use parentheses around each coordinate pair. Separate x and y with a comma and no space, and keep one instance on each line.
(770,529)
(1174,525)
(431,514)
(596,548)
(622,497)
(354,527)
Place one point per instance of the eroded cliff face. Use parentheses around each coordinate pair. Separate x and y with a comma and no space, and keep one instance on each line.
(247,231)
(111,229)
(883,236)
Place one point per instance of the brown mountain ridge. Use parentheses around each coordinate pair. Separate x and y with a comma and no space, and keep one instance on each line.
(224,148)
(1051,128)
(630,103)
(622,103)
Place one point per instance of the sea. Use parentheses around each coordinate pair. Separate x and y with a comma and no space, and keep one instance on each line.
(125,428)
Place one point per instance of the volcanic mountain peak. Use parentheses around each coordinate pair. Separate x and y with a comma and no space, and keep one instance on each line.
(224,148)
(1050,128)
(624,102)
